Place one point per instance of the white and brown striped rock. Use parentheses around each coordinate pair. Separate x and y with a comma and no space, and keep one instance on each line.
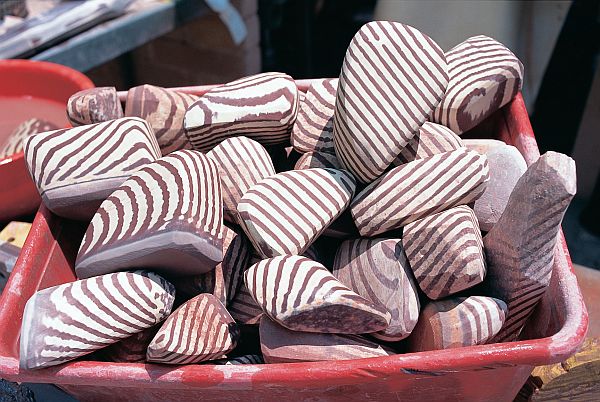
(242,163)
(200,329)
(312,160)
(280,345)
(164,110)
(64,322)
(419,188)
(262,107)
(520,247)
(285,213)
(313,130)
(132,349)
(483,76)
(483,146)
(167,216)
(302,295)
(239,360)
(431,139)
(76,169)
(457,322)
(377,270)
(243,308)
(392,78)
(94,105)
(445,251)
(14,142)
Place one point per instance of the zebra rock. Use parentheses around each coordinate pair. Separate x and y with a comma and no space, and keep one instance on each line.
(262,107)
(520,247)
(95,105)
(302,295)
(164,110)
(167,217)
(445,251)
(285,213)
(312,160)
(483,146)
(132,349)
(239,360)
(64,322)
(313,130)
(457,322)
(280,345)
(14,141)
(392,78)
(483,76)
(200,329)
(243,307)
(432,139)
(75,169)
(242,163)
(419,188)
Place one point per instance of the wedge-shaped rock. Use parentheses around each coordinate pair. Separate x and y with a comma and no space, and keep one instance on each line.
(164,110)
(236,361)
(285,213)
(132,349)
(312,160)
(445,251)
(95,105)
(167,217)
(243,307)
(457,322)
(302,295)
(520,247)
(484,76)
(14,141)
(313,130)
(64,322)
(377,270)
(392,78)
(431,139)
(262,107)
(280,345)
(76,169)
(200,329)
(420,188)
(242,163)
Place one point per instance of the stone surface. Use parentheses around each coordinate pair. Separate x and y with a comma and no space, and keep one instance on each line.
(431,139)
(14,141)
(311,160)
(168,217)
(64,322)
(94,105)
(482,145)
(132,349)
(243,307)
(419,188)
(76,169)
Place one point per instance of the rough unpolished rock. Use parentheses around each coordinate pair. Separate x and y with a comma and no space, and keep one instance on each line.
(94,105)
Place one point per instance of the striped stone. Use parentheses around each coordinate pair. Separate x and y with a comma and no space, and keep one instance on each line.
(419,188)
(520,247)
(167,217)
(64,322)
(14,141)
(392,78)
(285,213)
(201,329)
(164,110)
(313,160)
(457,322)
(94,105)
(242,163)
(262,107)
(75,169)
(445,251)
(243,307)
(313,130)
(302,295)
(483,76)
(132,349)
(377,270)
(483,146)
(431,139)
(239,360)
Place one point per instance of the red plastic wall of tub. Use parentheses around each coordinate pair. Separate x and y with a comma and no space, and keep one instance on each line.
(479,373)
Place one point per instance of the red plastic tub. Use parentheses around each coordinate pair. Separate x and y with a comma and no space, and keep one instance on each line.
(480,373)
(37,82)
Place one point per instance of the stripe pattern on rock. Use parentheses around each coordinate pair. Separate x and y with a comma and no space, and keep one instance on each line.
(420,188)
(432,139)
(262,107)
(313,160)
(243,307)
(64,322)
(14,141)
(94,105)
(167,216)
(392,78)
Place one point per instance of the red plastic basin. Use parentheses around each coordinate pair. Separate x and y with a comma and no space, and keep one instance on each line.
(39,80)
(479,373)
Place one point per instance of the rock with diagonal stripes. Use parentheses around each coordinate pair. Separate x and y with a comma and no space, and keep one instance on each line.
(66,321)
(200,329)
(75,169)
(168,216)
(483,76)
(285,213)
(302,295)
(419,188)
(445,251)
(262,107)
(392,78)
(431,139)
(14,141)
(243,307)
(312,160)
(520,247)
(94,105)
